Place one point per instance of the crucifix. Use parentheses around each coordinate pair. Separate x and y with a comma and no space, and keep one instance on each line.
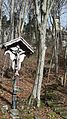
(18,49)
(19,55)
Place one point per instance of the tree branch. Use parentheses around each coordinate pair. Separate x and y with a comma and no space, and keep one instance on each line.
(49,10)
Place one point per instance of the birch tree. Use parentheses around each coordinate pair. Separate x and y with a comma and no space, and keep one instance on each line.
(43,9)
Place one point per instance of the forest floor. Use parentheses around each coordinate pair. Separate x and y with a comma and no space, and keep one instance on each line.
(51,89)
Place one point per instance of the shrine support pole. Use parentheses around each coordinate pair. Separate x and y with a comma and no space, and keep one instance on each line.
(15,81)
(14,112)
(14,96)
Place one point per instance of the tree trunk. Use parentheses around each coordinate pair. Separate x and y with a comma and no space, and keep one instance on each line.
(24,13)
(57,28)
(50,63)
(40,75)
(0,21)
(56,54)
(40,66)
(42,25)
(12,20)
(65,67)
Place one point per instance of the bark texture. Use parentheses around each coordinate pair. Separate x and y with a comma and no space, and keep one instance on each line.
(42,17)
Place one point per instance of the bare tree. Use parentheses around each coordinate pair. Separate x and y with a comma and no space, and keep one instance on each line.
(43,10)
(21,10)
(55,14)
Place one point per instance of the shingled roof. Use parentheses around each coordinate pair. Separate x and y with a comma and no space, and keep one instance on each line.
(21,42)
